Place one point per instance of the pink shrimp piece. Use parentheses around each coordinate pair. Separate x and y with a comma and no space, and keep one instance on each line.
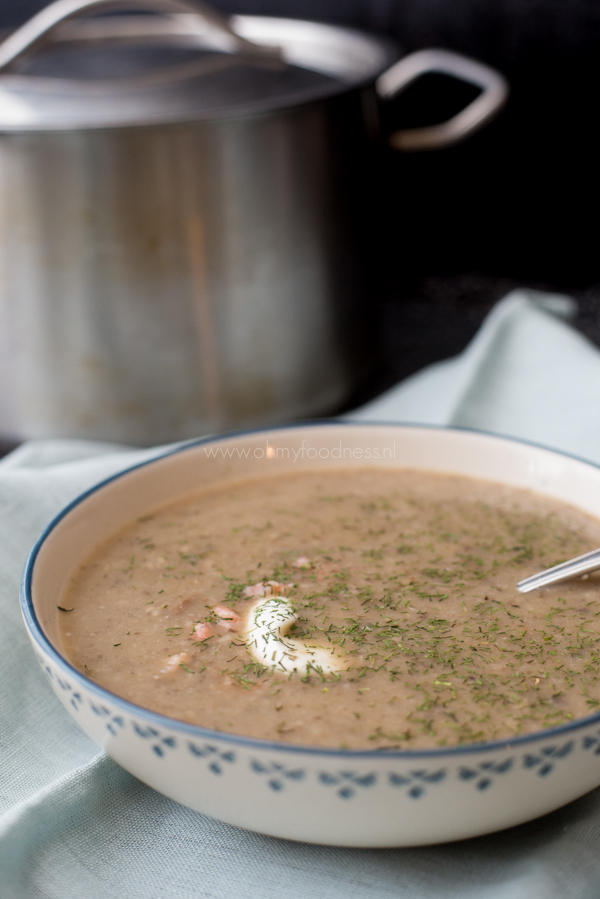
(227,617)
(255,590)
(174,661)
(202,631)
(279,589)
(270,588)
(302,562)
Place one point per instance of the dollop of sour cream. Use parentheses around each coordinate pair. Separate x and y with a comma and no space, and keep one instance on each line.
(269,621)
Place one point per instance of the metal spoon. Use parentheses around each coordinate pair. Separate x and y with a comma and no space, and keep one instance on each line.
(563,572)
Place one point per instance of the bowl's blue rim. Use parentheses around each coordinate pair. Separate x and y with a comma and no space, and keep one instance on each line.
(198,732)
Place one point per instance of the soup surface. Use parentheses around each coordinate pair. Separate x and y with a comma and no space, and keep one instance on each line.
(362,608)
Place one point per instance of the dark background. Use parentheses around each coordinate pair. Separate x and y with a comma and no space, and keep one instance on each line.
(516,204)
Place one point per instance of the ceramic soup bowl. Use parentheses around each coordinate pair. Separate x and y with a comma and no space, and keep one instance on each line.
(341,797)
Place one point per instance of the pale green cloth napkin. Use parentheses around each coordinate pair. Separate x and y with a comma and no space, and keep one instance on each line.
(75,826)
(524,374)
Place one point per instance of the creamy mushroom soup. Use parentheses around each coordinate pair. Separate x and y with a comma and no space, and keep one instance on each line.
(362,608)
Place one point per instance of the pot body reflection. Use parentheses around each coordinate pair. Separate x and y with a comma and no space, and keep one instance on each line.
(165,281)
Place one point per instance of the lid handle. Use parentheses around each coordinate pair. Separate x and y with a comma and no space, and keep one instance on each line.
(494,87)
(41,28)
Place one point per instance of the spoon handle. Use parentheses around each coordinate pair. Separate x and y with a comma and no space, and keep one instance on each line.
(563,572)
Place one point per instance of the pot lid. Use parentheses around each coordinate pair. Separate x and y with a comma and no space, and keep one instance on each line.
(184,62)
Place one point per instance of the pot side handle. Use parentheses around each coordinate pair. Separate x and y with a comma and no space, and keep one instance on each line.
(43,27)
(482,109)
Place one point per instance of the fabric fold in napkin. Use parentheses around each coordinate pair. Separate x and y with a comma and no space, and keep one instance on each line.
(73,825)
(525,374)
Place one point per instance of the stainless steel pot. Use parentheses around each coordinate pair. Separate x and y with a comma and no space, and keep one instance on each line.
(176,250)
